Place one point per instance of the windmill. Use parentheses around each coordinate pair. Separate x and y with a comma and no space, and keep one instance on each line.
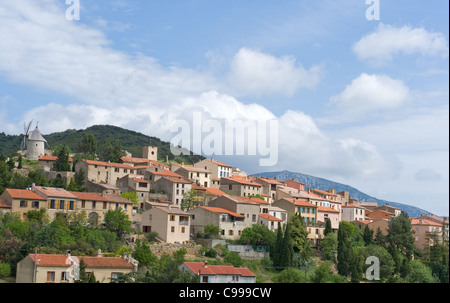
(25,136)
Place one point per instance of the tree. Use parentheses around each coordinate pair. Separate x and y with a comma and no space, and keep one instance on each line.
(322,274)
(88,147)
(131,196)
(62,162)
(275,252)
(299,235)
(328,228)
(78,178)
(368,235)
(380,238)
(328,246)
(111,152)
(258,235)
(345,250)
(143,254)
(118,222)
(188,200)
(400,234)
(287,249)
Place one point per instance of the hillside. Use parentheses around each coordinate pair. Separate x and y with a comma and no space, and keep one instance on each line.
(324,184)
(131,141)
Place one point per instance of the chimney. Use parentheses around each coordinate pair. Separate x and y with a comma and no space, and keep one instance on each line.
(68,253)
(205,265)
(99,253)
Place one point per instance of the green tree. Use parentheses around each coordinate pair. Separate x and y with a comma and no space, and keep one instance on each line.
(299,235)
(258,235)
(143,254)
(275,252)
(328,246)
(118,222)
(380,238)
(322,274)
(289,275)
(88,147)
(62,162)
(368,235)
(400,234)
(189,198)
(345,250)
(131,196)
(328,228)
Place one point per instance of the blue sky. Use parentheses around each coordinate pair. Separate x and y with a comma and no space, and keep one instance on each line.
(358,101)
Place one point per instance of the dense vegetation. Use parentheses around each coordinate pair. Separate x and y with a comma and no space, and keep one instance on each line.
(130,140)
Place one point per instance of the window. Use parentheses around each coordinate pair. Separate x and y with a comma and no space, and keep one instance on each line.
(172,229)
(50,276)
(61,204)
(35,204)
(83,204)
(64,276)
(150,216)
(104,205)
(230,232)
(52,204)
(183,229)
(72,205)
(23,204)
(172,217)
(94,204)
(114,275)
(253,218)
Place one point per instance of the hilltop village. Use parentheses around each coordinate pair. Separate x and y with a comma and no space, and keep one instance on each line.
(206,211)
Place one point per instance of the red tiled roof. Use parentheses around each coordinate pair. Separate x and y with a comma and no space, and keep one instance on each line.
(101,163)
(250,200)
(91,262)
(418,221)
(352,206)
(323,192)
(4,204)
(23,194)
(215,191)
(300,202)
(327,209)
(242,181)
(139,180)
(197,267)
(269,180)
(220,163)
(89,196)
(165,172)
(379,214)
(177,180)
(54,192)
(134,160)
(219,210)
(270,217)
(51,158)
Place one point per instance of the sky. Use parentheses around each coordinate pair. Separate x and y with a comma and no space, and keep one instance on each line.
(353,91)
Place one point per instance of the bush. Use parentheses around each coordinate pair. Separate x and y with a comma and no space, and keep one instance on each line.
(5,270)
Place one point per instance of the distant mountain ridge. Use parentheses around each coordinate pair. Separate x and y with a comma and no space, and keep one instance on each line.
(324,184)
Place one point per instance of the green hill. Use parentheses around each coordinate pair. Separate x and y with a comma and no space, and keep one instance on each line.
(131,141)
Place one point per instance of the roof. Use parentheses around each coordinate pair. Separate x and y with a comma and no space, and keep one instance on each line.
(91,262)
(352,206)
(51,158)
(101,163)
(140,180)
(327,209)
(418,221)
(117,199)
(165,172)
(247,200)
(270,217)
(299,202)
(204,269)
(241,181)
(323,192)
(54,192)
(134,160)
(36,135)
(269,180)
(23,194)
(176,180)
(379,214)
(215,191)
(4,204)
(171,210)
(219,210)
(89,196)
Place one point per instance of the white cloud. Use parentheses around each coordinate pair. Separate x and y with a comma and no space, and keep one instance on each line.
(388,41)
(48,52)
(369,93)
(255,73)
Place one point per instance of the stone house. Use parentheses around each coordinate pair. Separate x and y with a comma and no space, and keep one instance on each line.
(240,187)
(269,186)
(105,172)
(230,223)
(353,212)
(20,201)
(219,273)
(197,175)
(53,268)
(170,223)
(426,232)
(217,169)
(173,187)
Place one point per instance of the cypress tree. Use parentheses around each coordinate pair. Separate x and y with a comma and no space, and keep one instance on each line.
(345,252)
(328,228)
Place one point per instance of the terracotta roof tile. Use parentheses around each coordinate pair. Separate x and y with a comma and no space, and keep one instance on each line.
(91,262)
(219,210)
(197,267)
(270,217)
(23,194)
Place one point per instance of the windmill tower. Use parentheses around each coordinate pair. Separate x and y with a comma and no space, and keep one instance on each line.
(26,130)
(35,144)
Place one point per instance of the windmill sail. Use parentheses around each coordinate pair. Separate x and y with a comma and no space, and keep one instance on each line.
(26,129)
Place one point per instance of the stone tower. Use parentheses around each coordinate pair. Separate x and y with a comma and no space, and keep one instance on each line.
(150,152)
(35,145)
